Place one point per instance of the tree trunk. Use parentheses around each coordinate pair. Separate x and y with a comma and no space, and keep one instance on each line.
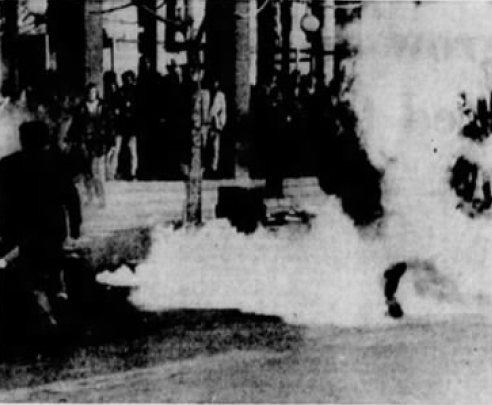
(193,213)
(194,184)
(66,28)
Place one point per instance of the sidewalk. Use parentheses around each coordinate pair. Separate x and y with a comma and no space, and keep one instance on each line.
(119,233)
(133,205)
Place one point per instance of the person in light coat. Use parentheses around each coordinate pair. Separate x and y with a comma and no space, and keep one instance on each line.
(218,121)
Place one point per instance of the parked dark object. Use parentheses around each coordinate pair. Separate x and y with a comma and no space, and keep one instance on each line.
(243,207)
(472,187)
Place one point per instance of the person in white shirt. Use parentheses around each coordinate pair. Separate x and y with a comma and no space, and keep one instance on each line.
(218,121)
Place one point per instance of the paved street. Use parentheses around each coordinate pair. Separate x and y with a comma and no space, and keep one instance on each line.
(227,356)
(419,361)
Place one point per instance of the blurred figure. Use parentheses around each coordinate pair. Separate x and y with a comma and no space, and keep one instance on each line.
(39,208)
(177,116)
(295,139)
(275,126)
(316,105)
(89,136)
(218,120)
(150,115)
(127,124)
(112,102)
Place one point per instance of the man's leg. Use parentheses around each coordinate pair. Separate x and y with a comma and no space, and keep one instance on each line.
(98,174)
(115,157)
(392,278)
(216,150)
(40,264)
(132,145)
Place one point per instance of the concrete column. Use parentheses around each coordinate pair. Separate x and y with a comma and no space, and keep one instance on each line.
(267,41)
(325,43)
(147,38)
(242,59)
(66,28)
(76,41)
(94,46)
(286,24)
(242,88)
(220,53)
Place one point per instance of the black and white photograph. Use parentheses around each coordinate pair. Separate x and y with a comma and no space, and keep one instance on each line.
(246,201)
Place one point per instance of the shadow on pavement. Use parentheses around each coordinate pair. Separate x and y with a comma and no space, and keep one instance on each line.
(100,332)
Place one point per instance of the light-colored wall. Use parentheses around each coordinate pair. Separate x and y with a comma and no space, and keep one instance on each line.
(122,26)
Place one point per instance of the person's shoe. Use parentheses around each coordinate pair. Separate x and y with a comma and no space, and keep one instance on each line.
(62,296)
(394,309)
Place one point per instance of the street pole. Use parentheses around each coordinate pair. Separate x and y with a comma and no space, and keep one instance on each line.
(242,89)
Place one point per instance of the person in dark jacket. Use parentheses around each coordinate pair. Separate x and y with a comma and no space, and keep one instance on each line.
(276,128)
(112,102)
(89,134)
(39,209)
(127,127)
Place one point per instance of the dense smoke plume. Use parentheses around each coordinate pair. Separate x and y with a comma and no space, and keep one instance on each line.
(412,63)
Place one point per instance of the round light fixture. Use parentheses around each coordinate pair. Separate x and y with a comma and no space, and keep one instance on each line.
(37,6)
(309,23)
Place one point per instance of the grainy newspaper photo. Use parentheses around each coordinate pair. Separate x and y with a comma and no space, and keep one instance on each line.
(245,201)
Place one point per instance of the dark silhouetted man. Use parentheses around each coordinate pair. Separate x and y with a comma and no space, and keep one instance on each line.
(39,209)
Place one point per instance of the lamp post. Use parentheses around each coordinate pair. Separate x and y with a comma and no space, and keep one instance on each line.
(310,24)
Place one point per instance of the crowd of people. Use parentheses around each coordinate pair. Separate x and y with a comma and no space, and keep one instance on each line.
(137,127)
(290,115)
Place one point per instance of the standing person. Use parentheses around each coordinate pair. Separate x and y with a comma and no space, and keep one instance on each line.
(218,120)
(127,123)
(315,105)
(89,133)
(276,126)
(177,116)
(291,147)
(112,103)
(39,209)
(150,104)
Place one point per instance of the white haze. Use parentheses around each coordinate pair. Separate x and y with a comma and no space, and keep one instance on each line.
(411,65)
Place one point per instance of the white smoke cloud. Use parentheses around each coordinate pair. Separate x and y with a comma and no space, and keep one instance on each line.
(323,275)
(412,64)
